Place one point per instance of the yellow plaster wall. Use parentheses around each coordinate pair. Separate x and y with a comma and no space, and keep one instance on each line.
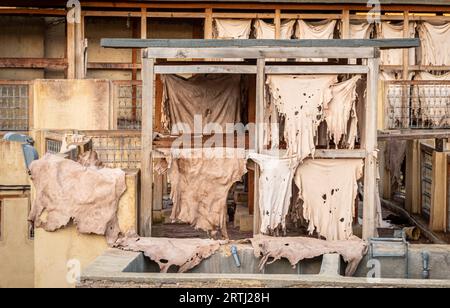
(16,249)
(12,164)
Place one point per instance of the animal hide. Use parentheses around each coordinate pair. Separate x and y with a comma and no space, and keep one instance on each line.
(435,42)
(388,30)
(300,100)
(275,190)
(90,159)
(265,31)
(237,29)
(315,30)
(65,191)
(214,99)
(200,183)
(296,249)
(329,188)
(394,156)
(167,252)
(70,142)
(341,111)
(361,31)
(398,115)
(433,102)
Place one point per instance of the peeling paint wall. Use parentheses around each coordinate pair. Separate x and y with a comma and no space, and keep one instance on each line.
(16,249)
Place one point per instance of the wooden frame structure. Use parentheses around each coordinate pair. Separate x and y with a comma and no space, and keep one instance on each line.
(157,49)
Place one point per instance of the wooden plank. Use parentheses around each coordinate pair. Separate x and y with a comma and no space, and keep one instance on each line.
(413,134)
(71,56)
(335,154)
(438,211)
(244,15)
(208,24)
(145,215)
(259,140)
(370,140)
(416,68)
(251,119)
(79,46)
(205,69)
(46,63)
(346,24)
(23,11)
(311,16)
(413,198)
(258,52)
(277,22)
(113,66)
(317,69)
(143,23)
(208,43)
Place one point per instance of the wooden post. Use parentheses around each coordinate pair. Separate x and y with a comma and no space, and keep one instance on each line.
(143,23)
(438,211)
(413,177)
(259,140)
(70,41)
(370,166)
(79,45)
(345,24)
(208,24)
(277,22)
(405,73)
(145,214)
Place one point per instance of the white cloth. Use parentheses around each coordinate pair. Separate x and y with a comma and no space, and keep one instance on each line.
(237,29)
(266,31)
(361,31)
(315,30)
(328,188)
(387,30)
(433,105)
(300,100)
(341,111)
(435,41)
(275,190)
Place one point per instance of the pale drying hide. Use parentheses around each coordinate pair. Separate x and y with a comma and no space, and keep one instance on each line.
(300,100)
(265,31)
(329,188)
(340,113)
(200,183)
(66,190)
(237,29)
(388,30)
(215,99)
(361,31)
(315,30)
(434,100)
(296,249)
(275,190)
(167,252)
(435,42)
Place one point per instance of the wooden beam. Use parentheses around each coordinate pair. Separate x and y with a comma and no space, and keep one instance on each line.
(70,44)
(79,46)
(205,69)
(33,63)
(208,24)
(334,44)
(143,23)
(413,198)
(277,22)
(346,24)
(259,140)
(438,211)
(257,52)
(317,69)
(113,66)
(145,214)
(370,140)
(335,154)
(22,11)
(413,134)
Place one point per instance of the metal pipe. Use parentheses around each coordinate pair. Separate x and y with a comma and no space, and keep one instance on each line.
(425,265)
(234,252)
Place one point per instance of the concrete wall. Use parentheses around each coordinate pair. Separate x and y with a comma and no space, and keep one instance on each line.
(55,43)
(72,104)
(57,253)
(12,164)
(24,37)
(16,249)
